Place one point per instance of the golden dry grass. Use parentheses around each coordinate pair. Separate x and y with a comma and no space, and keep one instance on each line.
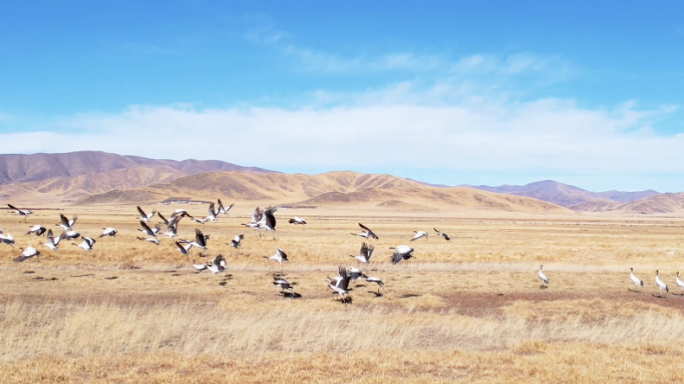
(470,310)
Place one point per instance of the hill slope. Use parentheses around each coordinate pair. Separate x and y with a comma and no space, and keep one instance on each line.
(665,203)
(42,166)
(330,189)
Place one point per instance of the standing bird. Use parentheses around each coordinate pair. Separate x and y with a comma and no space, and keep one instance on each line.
(543,277)
(365,253)
(297,221)
(402,252)
(27,254)
(66,224)
(372,279)
(144,216)
(367,234)
(680,284)
(340,284)
(280,256)
(217,265)
(419,234)
(87,244)
(37,229)
(444,235)
(661,285)
(21,212)
(109,232)
(51,242)
(637,282)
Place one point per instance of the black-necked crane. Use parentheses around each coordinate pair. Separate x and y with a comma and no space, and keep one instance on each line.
(144,216)
(200,267)
(444,235)
(109,232)
(66,224)
(21,212)
(637,281)
(7,239)
(38,230)
(297,221)
(212,216)
(147,230)
(52,243)
(184,249)
(222,210)
(680,284)
(340,284)
(86,244)
(356,274)
(367,234)
(376,280)
(171,225)
(199,242)
(27,254)
(661,285)
(268,220)
(402,252)
(419,234)
(283,284)
(365,253)
(542,277)
(257,215)
(70,235)
(236,242)
(279,256)
(152,240)
(217,265)
(182,213)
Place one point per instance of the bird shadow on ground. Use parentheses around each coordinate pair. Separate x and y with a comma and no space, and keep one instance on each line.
(543,287)
(28,272)
(346,300)
(658,296)
(359,285)
(409,295)
(291,295)
(112,278)
(86,275)
(634,290)
(377,294)
(678,294)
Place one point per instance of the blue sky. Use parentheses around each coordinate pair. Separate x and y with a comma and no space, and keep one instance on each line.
(477,92)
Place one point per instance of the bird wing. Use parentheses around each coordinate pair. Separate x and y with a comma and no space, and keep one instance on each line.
(163,218)
(90,241)
(141,212)
(270,218)
(397,257)
(282,254)
(199,238)
(446,237)
(370,233)
(146,228)
(221,209)
(257,215)
(211,210)
(21,258)
(72,222)
(50,237)
(417,236)
(64,220)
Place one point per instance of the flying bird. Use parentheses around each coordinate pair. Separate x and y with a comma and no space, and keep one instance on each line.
(223,210)
(367,234)
(51,242)
(7,239)
(284,284)
(109,232)
(356,274)
(152,240)
(27,254)
(340,284)
(66,224)
(236,242)
(146,229)
(184,249)
(256,218)
(70,235)
(144,216)
(21,212)
(211,217)
(419,234)
(372,279)
(279,256)
(365,253)
(200,240)
(402,252)
(37,229)
(200,267)
(217,265)
(297,221)
(444,235)
(268,220)
(87,243)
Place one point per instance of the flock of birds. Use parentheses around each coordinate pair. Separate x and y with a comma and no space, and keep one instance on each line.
(262,219)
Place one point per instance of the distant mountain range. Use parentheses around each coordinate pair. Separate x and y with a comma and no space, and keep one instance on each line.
(566,195)
(105,178)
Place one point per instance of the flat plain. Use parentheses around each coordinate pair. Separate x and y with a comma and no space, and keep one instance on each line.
(471,309)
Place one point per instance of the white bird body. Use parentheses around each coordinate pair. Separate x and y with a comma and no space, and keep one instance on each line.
(200,267)
(279,256)
(637,282)
(38,230)
(419,234)
(237,241)
(27,254)
(297,221)
(679,282)
(661,285)
(542,276)
(86,244)
(402,252)
(7,239)
(200,240)
(108,232)
(218,265)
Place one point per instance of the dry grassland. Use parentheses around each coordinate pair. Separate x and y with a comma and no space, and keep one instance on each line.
(469,310)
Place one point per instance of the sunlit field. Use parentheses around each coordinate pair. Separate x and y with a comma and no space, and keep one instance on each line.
(471,309)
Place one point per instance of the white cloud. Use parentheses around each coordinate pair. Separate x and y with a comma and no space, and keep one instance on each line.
(549,135)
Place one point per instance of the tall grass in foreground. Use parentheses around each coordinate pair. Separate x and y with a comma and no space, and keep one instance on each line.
(106,328)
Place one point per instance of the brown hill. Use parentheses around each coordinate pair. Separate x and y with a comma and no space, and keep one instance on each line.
(665,203)
(329,189)
(42,166)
